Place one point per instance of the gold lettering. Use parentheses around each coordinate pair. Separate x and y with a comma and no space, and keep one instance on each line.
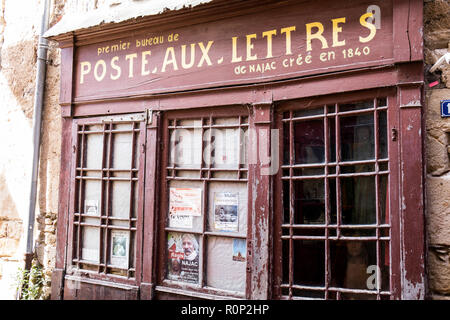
(235,58)
(368,25)
(145,72)
(250,46)
(183,57)
(288,31)
(115,67)
(269,34)
(102,75)
(205,51)
(169,51)
(317,35)
(85,69)
(336,31)
(131,58)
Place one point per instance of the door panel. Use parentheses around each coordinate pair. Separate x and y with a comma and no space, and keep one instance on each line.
(104,246)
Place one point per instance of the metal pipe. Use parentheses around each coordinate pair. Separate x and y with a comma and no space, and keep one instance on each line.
(37,125)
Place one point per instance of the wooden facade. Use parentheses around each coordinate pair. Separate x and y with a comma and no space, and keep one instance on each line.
(256,61)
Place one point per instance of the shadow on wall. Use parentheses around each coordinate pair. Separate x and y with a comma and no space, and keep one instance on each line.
(19,68)
(10,222)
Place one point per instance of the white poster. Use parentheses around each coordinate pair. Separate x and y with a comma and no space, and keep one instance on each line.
(120,244)
(185,201)
(226,211)
(180,221)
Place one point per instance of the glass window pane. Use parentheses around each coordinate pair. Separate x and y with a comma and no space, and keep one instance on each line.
(286,258)
(121,193)
(286,144)
(311,273)
(357,139)
(356,106)
(308,112)
(332,139)
(333,204)
(94,148)
(358,200)
(286,202)
(309,202)
(186,148)
(244,147)
(92,195)
(226,263)
(383,140)
(309,144)
(383,199)
(224,146)
(382,102)
(90,249)
(122,151)
(350,263)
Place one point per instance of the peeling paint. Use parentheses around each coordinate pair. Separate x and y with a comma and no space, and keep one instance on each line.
(126,10)
(414,291)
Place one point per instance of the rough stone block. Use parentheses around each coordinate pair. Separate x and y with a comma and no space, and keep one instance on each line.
(438,209)
(439,272)
(433,110)
(8,247)
(436,24)
(3,229)
(14,229)
(437,155)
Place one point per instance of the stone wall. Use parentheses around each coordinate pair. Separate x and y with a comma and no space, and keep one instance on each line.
(437,148)
(20,22)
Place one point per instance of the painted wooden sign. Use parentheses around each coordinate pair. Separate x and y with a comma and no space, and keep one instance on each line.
(288,42)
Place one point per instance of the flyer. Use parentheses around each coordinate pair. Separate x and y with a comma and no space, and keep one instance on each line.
(226,211)
(239,250)
(185,201)
(91,207)
(180,221)
(183,257)
(119,249)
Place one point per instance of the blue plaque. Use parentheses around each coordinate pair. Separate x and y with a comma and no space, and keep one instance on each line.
(445,108)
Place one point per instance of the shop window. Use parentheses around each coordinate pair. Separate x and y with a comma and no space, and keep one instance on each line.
(335,229)
(106,218)
(205,205)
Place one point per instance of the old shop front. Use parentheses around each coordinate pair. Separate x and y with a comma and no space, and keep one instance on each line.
(244,150)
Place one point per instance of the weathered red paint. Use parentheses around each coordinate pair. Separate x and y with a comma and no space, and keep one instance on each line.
(392,69)
(127,72)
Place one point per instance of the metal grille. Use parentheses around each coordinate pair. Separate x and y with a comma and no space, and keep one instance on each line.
(336,206)
(107,183)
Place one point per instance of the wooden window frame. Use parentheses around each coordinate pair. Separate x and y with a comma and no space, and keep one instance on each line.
(164,286)
(395,213)
(136,224)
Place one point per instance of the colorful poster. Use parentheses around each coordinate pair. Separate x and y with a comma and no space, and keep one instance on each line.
(183,257)
(119,249)
(91,207)
(239,250)
(226,211)
(185,201)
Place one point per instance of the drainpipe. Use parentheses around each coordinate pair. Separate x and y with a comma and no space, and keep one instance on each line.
(37,121)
